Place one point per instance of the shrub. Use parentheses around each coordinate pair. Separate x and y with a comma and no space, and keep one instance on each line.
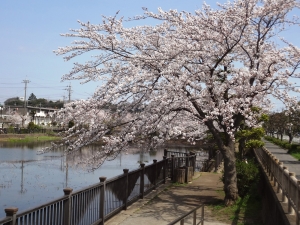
(247,175)
(30,126)
(10,129)
(33,127)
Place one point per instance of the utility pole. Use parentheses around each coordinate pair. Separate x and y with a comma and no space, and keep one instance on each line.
(26,82)
(69,89)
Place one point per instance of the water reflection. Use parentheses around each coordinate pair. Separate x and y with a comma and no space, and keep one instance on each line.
(28,179)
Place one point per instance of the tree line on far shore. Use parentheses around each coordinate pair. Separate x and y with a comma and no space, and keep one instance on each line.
(35,102)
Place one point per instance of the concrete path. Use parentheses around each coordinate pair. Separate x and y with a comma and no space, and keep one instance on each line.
(289,161)
(169,202)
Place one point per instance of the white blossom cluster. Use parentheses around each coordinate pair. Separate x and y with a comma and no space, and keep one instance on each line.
(191,72)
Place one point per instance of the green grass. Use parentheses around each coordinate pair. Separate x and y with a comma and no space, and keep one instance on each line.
(30,139)
(296,155)
(246,211)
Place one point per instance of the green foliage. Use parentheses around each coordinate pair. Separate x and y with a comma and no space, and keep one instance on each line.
(264,118)
(247,175)
(32,97)
(253,133)
(33,127)
(278,142)
(41,102)
(255,144)
(14,102)
(255,109)
(30,125)
(246,210)
(248,139)
(10,129)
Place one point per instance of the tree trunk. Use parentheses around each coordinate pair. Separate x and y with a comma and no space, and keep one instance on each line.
(230,177)
(290,138)
(227,149)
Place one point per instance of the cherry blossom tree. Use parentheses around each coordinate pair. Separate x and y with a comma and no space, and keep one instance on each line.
(189,73)
(18,119)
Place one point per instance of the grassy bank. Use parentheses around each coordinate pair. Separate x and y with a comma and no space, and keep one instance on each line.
(27,138)
(246,211)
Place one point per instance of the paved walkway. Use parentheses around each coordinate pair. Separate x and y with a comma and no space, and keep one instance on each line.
(289,161)
(169,202)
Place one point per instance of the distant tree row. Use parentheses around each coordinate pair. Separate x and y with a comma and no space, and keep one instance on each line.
(35,102)
(285,122)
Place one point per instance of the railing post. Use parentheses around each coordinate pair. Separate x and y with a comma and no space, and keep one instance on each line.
(165,169)
(187,159)
(276,172)
(102,199)
(186,168)
(269,163)
(284,197)
(67,206)
(297,202)
(279,183)
(155,173)
(126,188)
(165,152)
(202,215)
(195,217)
(272,158)
(193,161)
(172,167)
(290,208)
(11,213)
(142,183)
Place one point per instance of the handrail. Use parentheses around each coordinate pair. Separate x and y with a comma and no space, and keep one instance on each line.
(85,206)
(194,211)
(284,180)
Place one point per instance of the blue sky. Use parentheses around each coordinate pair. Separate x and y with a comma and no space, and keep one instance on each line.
(30,31)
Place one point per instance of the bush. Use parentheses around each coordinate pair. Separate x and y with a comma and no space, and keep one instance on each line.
(10,129)
(247,175)
(30,126)
(33,127)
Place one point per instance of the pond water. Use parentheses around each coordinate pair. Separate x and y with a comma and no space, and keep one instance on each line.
(28,179)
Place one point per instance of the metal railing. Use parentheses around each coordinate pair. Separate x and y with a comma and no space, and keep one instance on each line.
(194,217)
(212,163)
(95,204)
(285,182)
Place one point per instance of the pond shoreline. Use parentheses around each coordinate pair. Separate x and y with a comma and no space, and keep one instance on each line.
(27,137)
(43,137)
